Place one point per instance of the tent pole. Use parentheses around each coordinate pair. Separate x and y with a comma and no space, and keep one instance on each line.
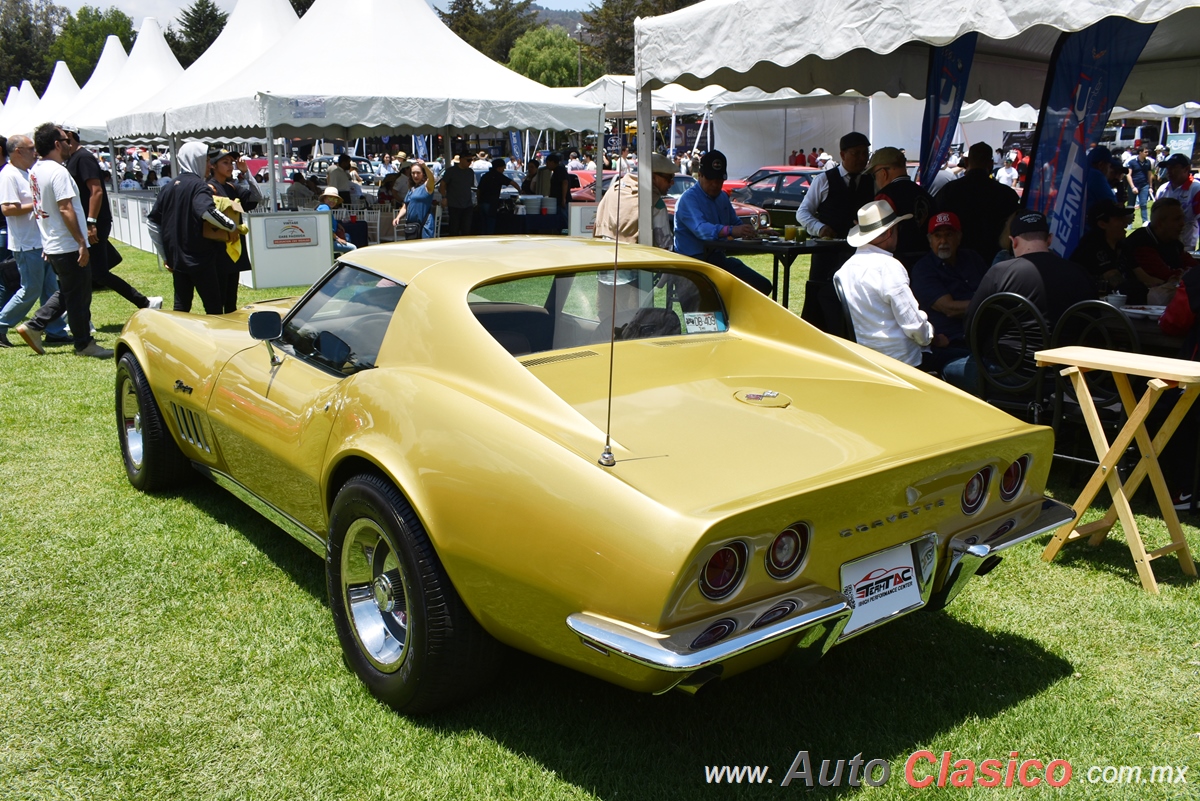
(271,167)
(671,148)
(600,153)
(645,147)
(112,154)
(709,131)
(173,145)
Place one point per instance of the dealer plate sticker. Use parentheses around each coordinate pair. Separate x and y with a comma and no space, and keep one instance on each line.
(880,585)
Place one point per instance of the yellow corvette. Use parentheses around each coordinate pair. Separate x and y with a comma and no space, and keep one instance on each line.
(645,471)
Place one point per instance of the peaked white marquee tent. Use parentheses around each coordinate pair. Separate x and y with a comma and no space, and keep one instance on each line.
(108,67)
(151,66)
(17,106)
(61,90)
(441,81)
(254,26)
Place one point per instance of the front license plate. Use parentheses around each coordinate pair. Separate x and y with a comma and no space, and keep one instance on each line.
(880,585)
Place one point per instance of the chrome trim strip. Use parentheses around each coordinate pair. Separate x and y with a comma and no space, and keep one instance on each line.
(671,650)
(302,533)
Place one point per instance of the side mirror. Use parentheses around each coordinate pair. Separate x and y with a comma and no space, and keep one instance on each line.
(266,325)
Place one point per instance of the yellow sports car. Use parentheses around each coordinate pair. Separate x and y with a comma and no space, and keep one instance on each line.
(634,465)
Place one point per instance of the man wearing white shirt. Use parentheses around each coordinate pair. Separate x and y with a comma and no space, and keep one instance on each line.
(16,203)
(1007,174)
(884,313)
(60,219)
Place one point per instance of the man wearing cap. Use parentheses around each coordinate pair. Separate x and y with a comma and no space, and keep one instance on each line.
(625,227)
(1099,251)
(1007,175)
(704,213)
(1154,255)
(457,182)
(981,204)
(1183,187)
(884,313)
(827,211)
(180,212)
(1141,177)
(946,278)
(1047,280)
(1097,185)
(889,170)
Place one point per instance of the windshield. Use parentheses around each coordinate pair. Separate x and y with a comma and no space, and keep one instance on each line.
(550,312)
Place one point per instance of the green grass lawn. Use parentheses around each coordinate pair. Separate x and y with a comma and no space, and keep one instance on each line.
(179,646)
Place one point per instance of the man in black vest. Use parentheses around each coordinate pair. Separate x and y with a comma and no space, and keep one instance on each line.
(828,211)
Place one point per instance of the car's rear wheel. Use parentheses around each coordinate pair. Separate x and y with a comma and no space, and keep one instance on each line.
(152,458)
(403,629)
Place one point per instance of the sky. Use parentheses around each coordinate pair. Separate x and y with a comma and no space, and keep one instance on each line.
(167,10)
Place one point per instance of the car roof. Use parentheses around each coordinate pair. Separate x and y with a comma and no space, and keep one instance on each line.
(476,260)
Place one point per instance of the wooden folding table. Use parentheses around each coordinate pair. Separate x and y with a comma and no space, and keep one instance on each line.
(1163,373)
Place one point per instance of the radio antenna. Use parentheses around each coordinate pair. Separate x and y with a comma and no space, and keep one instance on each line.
(606,457)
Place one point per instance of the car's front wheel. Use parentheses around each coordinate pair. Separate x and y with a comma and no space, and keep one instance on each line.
(403,629)
(152,458)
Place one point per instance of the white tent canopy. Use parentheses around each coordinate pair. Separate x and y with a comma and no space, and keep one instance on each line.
(61,90)
(254,26)
(1155,112)
(151,66)
(108,67)
(17,107)
(883,48)
(607,91)
(442,81)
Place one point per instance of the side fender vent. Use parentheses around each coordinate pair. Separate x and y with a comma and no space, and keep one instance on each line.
(560,357)
(191,427)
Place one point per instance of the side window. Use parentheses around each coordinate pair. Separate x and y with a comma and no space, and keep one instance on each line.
(341,326)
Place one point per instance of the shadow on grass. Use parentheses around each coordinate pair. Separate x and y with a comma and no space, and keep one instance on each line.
(879,695)
(302,566)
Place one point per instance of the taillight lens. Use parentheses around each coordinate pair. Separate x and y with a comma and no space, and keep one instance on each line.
(975,493)
(1014,478)
(714,633)
(787,551)
(723,571)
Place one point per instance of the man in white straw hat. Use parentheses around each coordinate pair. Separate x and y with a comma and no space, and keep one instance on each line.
(882,308)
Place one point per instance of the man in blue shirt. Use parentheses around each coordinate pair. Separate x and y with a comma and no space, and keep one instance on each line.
(1142,173)
(1097,188)
(945,279)
(703,213)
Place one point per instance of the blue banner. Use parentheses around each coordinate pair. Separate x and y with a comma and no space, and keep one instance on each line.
(949,69)
(420,148)
(1087,72)
(514,145)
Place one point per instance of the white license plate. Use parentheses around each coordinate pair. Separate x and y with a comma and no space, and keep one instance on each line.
(880,585)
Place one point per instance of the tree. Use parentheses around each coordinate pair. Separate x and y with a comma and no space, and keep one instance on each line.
(464,20)
(505,22)
(550,56)
(199,26)
(610,29)
(27,32)
(83,35)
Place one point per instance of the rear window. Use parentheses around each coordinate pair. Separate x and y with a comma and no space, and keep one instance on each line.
(551,312)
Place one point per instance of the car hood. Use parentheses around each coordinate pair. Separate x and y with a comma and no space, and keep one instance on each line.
(695,424)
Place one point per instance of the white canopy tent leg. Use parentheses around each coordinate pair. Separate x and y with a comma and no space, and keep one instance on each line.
(600,152)
(273,205)
(645,148)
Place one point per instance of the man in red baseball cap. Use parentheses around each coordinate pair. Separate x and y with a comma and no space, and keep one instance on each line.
(945,279)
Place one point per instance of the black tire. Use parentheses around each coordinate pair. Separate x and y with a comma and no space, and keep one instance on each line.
(402,626)
(151,456)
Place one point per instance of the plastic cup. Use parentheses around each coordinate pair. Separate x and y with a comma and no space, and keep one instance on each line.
(789,232)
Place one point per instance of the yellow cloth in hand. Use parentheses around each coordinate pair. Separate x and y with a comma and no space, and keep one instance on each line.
(232,209)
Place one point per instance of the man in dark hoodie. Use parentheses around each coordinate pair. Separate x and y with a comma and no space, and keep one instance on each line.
(180,212)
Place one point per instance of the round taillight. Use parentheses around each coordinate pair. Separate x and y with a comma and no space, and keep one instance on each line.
(975,493)
(1013,479)
(714,633)
(787,551)
(723,571)
(776,612)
